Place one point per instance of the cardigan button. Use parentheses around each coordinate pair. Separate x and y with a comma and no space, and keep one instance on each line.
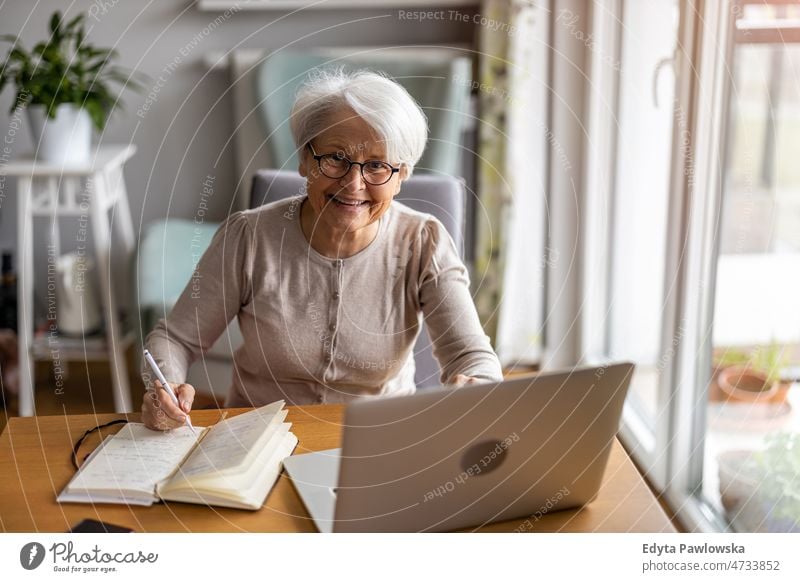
(332,327)
(336,295)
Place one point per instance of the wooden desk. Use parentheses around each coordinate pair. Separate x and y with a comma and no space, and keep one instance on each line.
(35,465)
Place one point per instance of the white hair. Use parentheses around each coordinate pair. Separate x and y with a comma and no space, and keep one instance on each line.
(383,103)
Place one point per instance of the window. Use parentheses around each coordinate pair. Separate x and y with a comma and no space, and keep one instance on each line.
(751,471)
(632,122)
(691,249)
(700,249)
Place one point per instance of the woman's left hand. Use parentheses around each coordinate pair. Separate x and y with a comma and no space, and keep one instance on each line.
(462,380)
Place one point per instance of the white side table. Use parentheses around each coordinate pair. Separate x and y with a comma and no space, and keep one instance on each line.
(53,191)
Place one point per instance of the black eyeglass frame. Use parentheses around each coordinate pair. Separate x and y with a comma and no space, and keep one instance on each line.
(351,163)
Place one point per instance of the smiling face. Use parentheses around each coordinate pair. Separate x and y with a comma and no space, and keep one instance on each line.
(348,205)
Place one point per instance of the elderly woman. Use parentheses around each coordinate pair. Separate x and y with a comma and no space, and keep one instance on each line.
(329,288)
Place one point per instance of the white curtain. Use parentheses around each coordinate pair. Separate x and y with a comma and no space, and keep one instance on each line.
(512,257)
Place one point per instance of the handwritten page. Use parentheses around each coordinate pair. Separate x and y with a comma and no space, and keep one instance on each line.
(230,441)
(136,459)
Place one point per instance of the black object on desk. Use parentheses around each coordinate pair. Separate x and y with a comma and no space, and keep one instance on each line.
(94,526)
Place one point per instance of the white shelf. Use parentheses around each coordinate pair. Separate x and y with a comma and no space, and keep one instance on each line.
(93,349)
(53,190)
(249,58)
(222,5)
(102,157)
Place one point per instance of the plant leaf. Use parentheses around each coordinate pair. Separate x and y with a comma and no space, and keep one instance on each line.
(96,111)
(105,54)
(47,77)
(55,23)
(74,22)
(19,55)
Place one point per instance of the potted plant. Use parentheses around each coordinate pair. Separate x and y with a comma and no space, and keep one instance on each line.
(760,490)
(64,83)
(754,376)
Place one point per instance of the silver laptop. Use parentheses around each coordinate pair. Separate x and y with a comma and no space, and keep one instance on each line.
(443,460)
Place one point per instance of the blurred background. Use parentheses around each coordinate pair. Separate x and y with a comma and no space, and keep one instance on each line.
(629,175)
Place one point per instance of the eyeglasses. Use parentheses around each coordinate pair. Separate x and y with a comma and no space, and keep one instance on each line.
(374,172)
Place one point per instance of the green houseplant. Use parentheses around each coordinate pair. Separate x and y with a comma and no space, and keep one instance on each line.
(65,85)
(760,490)
(780,463)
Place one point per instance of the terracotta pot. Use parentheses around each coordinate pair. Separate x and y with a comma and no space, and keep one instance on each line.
(742,384)
(737,480)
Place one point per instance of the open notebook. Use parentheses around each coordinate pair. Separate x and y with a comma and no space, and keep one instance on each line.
(232,464)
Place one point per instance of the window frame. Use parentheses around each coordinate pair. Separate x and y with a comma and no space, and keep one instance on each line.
(671,452)
(705,96)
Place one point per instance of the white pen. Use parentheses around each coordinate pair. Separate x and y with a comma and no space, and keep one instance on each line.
(149,357)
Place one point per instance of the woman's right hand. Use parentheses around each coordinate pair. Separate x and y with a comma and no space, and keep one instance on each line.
(159,412)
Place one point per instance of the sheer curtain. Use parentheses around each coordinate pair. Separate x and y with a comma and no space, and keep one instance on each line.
(511,256)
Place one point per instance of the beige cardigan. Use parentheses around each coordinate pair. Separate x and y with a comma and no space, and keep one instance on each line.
(318,329)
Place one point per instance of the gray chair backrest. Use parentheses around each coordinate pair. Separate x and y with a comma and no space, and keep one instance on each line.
(439,79)
(441,196)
